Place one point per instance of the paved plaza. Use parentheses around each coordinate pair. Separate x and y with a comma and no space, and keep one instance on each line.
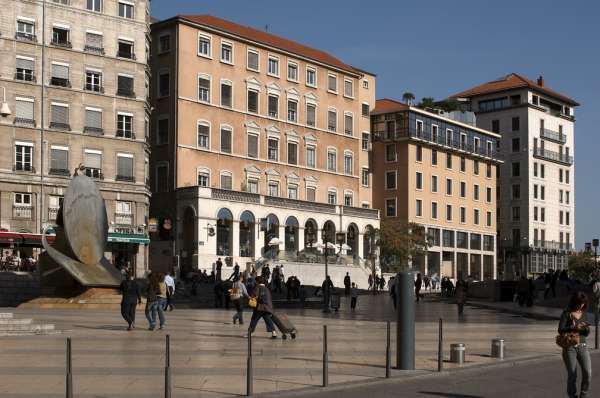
(208,353)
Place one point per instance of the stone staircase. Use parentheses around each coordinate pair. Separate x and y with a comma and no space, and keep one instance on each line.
(10,326)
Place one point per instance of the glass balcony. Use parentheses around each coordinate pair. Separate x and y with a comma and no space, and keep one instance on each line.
(553,135)
(552,156)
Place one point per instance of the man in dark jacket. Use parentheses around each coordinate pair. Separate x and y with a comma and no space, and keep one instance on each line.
(264,308)
(347,284)
(131,297)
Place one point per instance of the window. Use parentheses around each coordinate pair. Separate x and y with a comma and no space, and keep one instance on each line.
(252,145)
(94,5)
(560,217)
(292,110)
(94,42)
(542,192)
(332,197)
(476,167)
(25,30)
(273,149)
(203,89)
(448,212)
(567,217)
(348,164)
(419,208)
(23,156)
(567,175)
(292,71)
(348,124)
(516,169)
(252,60)
(535,191)
(226,136)
(311,111)
(535,169)
(542,171)
(516,144)
(292,191)
(226,180)
(93,120)
(227,53)
(448,186)
(311,77)
(310,156)
(24,69)
(60,37)
(365,110)
(463,215)
(273,69)
(24,113)
(390,180)
(226,94)
(419,180)
(448,161)
(516,213)
(476,192)
(496,126)
(60,75)
(488,170)
(516,192)
(390,207)
(542,214)
(203,135)
(125,168)
(332,83)
(162,131)
(92,161)
(348,199)
(535,213)
(516,123)
(332,120)
(434,184)
(365,84)
(560,196)
(331,161)
(463,189)
(364,144)
(125,86)
(204,45)
(311,194)
(252,101)
(125,125)
(419,153)
(164,43)
(23,200)
(488,195)
(59,116)
(364,177)
(434,210)
(434,160)
(273,104)
(463,164)
(567,197)
(163,84)
(93,80)
(560,175)
(390,153)
(125,49)
(292,153)
(348,88)
(273,188)
(252,185)
(126,10)
(488,219)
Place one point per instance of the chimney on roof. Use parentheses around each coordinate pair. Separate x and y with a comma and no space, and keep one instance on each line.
(540,81)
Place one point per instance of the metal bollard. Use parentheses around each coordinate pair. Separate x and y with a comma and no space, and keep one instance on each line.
(457,353)
(498,348)
(249,372)
(388,359)
(325,358)
(168,367)
(440,348)
(69,376)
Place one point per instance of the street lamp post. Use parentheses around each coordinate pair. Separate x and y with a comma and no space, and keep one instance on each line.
(596,243)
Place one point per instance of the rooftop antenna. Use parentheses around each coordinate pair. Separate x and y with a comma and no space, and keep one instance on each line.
(266,27)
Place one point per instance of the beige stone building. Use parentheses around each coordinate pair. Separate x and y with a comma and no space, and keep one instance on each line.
(75,76)
(440,173)
(259,144)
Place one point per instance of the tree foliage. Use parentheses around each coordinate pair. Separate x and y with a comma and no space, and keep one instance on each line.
(400,242)
(582,266)
(408,97)
(447,105)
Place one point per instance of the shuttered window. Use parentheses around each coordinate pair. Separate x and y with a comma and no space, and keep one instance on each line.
(252,101)
(226,95)
(226,140)
(226,181)
(252,60)
(348,122)
(252,145)
(93,119)
(60,71)
(93,40)
(310,194)
(125,85)
(59,160)
(310,114)
(124,167)
(92,160)
(59,115)
(26,64)
(24,110)
(292,153)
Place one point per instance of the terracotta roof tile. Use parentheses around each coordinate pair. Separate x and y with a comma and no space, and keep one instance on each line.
(270,40)
(387,105)
(510,82)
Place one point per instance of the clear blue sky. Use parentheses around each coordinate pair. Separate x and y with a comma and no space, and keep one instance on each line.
(439,47)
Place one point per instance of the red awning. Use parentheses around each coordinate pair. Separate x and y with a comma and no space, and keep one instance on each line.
(23,239)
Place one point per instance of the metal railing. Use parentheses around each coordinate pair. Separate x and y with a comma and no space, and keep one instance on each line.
(93,130)
(94,49)
(60,126)
(25,36)
(552,156)
(60,82)
(24,212)
(125,54)
(20,121)
(553,135)
(60,172)
(52,213)
(61,43)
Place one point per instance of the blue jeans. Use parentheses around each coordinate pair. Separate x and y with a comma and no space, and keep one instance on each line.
(153,308)
(572,356)
(256,315)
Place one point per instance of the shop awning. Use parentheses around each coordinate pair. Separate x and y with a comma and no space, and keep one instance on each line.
(22,238)
(116,237)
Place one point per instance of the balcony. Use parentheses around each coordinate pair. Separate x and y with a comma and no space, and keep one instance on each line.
(125,178)
(60,172)
(22,212)
(26,37)
(123,92)
(125,54)
(60,82)
(52,213)
(26,76)
(61,43)
(24,168)
(93,49)
(299,204)
(20,121)
(553,136)
(552,245)
(93,87)
(93,130)
(60,126)
(235,196)
(552,156)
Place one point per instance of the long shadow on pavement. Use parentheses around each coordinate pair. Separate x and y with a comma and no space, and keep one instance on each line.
(449,395)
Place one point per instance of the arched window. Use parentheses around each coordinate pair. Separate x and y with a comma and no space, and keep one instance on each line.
(310,233)
(271,246)
(247,234)
(367,241)
(224,232)
(291,234)
(352,239)
(328,234)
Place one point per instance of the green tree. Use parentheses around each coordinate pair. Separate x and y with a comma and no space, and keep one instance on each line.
(427,102)
(582,266)
(408,97)
(400,242)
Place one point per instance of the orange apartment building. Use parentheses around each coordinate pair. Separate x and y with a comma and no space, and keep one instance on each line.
(259,144)
(440,173)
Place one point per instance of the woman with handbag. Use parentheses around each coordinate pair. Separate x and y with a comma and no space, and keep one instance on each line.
(262,306)
(238,292)
(572,332)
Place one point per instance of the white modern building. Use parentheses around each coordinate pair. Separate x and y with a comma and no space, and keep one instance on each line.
(536,184)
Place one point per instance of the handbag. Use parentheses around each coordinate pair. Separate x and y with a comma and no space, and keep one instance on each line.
(567,339)
(252,302)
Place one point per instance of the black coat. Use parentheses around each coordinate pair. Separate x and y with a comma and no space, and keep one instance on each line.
(131,292)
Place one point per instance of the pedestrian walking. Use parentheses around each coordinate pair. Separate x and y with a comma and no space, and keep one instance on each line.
(219,266)
(263,309)
(238,292)
(573,329)
(370,281)
(392,287)
(130,298)
(353,297)
(162,299)
(460,293)
(218,290)
(170,283)
(418,284)
(347,284)
(547,282)
(153,305)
